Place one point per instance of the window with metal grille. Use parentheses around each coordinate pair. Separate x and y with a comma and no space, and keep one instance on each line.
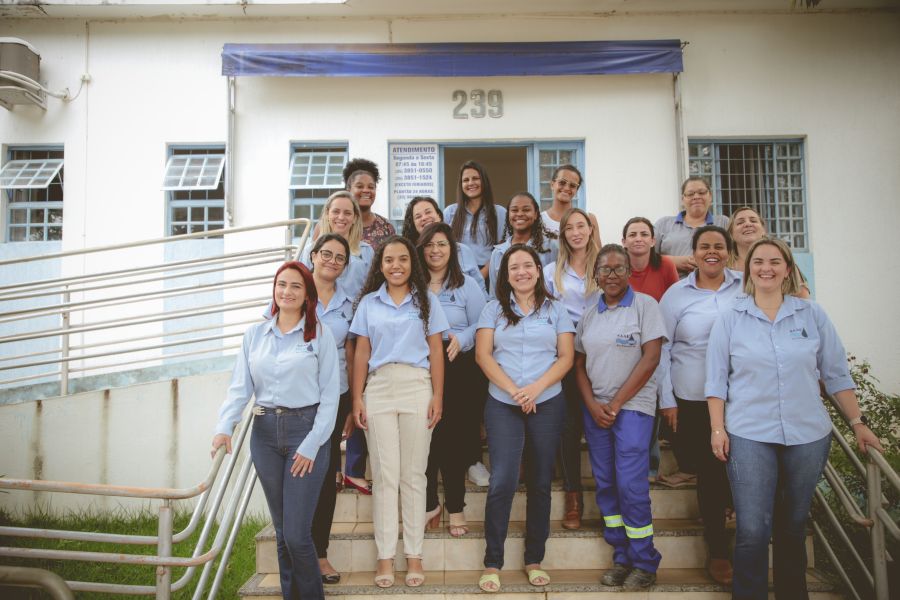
(765,175)
(549,156)
(33,180)
(195,187)
(315,174)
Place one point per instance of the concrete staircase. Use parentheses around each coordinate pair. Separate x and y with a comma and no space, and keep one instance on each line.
(575,560)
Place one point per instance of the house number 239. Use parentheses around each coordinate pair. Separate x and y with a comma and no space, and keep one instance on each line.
(482,103)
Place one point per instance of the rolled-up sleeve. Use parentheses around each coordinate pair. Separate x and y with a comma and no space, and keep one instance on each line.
(718,358)
(240,390)
(329,392)
(831,357)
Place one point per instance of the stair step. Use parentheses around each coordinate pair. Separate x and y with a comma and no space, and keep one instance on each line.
(666,503)
(352,547)
(585,584)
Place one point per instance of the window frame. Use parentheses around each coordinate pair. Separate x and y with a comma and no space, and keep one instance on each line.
(172,202)
(30,205)
(299,207)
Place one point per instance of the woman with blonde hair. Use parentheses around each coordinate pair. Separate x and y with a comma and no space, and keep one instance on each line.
(570,280)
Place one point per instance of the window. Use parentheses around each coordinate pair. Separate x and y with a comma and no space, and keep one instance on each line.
(33,180)
(194,182)
(315,174)
(765,175)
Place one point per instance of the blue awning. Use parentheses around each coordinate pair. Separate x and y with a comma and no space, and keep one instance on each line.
(452,59)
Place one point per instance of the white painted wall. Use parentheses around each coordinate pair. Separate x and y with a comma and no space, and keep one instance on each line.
(829,78)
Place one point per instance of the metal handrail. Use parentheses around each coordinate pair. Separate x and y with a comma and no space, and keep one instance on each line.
(50,582)
(874,518)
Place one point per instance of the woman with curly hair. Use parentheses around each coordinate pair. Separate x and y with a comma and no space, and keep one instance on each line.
(524,345)
(476,221)
(421,212)
(397,386)
(361,178)
(523,226)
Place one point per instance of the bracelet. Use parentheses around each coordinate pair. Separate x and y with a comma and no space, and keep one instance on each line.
(717,431)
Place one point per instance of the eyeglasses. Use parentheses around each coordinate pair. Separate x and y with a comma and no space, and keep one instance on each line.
(440,244)
(696,193)
(568,184)
(607,271)
(329,256)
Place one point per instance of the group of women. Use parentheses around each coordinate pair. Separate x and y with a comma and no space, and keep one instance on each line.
(396,338)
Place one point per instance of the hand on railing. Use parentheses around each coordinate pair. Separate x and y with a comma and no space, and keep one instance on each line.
(866,438)
(220,440)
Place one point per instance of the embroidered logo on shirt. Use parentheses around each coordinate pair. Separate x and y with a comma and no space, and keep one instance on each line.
(799,334)
(412,315)
(303,349)
(626,341)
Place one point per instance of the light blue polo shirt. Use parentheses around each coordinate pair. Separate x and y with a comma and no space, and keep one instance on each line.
(337,316)
(480,244)
(572,295)
(688,313)
(526,351)
(282,370)
(395,331)
(468,265)
(355,271)
(548,257)
(462,307)
(768,372)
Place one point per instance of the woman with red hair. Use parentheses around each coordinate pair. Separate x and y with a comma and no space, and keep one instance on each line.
(289,363)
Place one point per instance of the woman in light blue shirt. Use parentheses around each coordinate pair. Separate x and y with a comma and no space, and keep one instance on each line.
(290,364)
(765,359)
(398,386)
(571,280)
(421,212)
(524,346)
(475,220)
(523,226)
(689,309)
(457,437)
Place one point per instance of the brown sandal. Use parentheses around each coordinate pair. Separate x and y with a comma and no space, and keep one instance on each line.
(458,526)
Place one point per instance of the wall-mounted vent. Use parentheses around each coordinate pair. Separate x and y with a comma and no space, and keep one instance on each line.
(20,67)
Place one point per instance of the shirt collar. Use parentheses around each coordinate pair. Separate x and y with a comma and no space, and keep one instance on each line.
(789,307)
(571,271)
(679,218)
(337,300)
(385,297)
(731,277)
(272,327)
(626,301)
(515,306)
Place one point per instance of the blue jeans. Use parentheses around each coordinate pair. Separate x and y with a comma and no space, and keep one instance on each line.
(292,500)
(772,486)
(508,428)
(357,451)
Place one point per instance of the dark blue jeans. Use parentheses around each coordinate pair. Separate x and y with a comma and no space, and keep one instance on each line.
(508,428)
(772,486)
(570,444)
(357,452)
(292,500)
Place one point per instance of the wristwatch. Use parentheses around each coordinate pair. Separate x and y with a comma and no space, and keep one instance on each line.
(860,419)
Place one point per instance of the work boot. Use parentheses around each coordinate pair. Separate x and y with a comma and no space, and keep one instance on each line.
(638,579)
(574,510)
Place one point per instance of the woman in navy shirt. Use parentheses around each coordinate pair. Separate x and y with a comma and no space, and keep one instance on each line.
(765,360)
(398,387)
(524,346)
(462,300)
(289,363)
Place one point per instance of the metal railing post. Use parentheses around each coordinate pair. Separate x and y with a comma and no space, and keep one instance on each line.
(879,558)
(288,238)
(64,367)
(164,549)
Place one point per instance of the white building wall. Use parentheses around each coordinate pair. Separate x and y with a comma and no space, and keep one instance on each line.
(830,79)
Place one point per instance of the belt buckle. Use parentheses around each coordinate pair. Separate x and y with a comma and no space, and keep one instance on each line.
(259,410)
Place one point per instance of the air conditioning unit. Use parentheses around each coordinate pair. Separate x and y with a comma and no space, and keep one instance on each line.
(20,67)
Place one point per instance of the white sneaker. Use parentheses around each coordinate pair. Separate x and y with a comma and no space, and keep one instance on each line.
(479,475)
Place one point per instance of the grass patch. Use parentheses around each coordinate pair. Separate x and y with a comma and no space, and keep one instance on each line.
(241,565)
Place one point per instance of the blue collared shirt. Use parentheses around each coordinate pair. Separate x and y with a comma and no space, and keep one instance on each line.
(462,307)
(548,257)
(572,295)
(673,235)
(480,244)
(355,271)
(688,313)
(768,372)
(338,316)
(526,351)
(468,265)
(395,331)
(282,370)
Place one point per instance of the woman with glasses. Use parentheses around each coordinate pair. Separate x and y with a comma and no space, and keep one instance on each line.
(617,348)
(564,185)
(767,357)
(475,220)
(673,234)
(289,365)
(524,347)
(462,300)
(421,212)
